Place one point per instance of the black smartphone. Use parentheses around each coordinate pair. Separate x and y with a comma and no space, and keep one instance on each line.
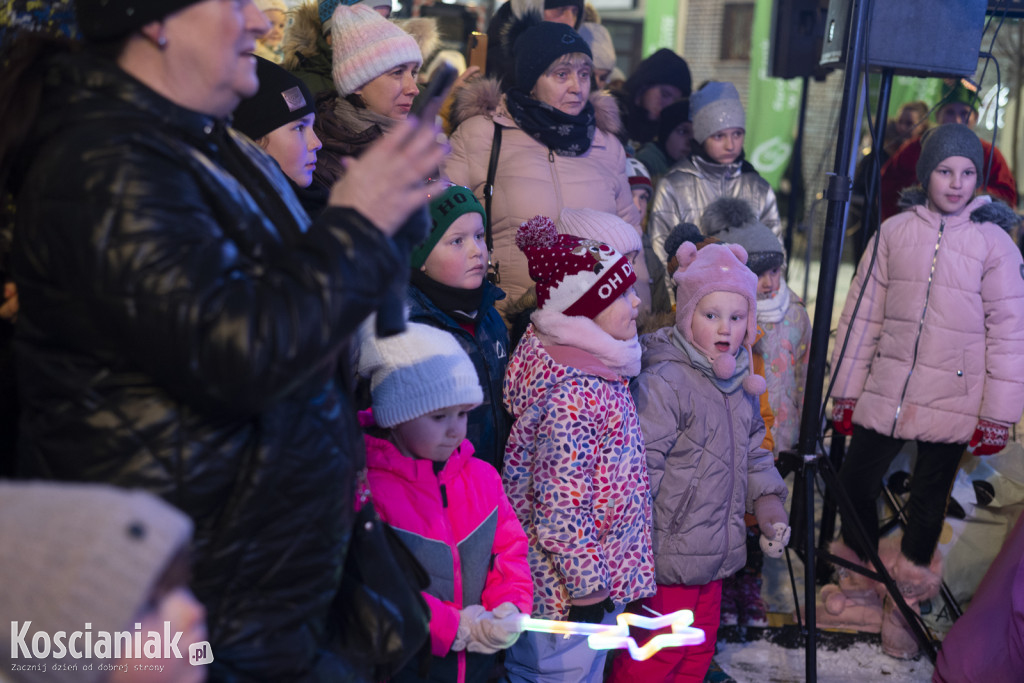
(428,103)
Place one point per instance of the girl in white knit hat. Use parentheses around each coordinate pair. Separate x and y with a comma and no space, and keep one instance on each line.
(447,506)
(85,565)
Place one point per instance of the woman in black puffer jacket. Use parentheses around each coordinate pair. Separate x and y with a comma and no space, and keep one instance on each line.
(180,320)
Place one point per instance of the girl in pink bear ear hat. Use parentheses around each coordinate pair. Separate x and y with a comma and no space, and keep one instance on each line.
(718,273)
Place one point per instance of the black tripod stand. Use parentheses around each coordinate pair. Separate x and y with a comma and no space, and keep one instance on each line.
(811,458)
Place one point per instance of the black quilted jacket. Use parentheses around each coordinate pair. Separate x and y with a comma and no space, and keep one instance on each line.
(172,337)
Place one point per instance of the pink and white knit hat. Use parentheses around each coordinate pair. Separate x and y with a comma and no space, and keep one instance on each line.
(366,45)
(574,276)
(601,226)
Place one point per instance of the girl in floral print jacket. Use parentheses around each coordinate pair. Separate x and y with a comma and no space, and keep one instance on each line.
(574,465)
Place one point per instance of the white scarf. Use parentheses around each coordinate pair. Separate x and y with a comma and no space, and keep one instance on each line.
(774,310)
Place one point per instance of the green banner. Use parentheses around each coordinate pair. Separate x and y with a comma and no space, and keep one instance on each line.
(661,21)
(773,104)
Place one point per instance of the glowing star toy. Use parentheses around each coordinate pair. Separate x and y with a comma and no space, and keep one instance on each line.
(609,637)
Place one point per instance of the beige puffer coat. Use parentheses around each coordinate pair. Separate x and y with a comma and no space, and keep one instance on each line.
(939,338)
(530,179)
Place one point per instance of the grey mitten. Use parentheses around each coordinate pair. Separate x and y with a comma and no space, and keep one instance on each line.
(774,524)
(467,617)
(500,631)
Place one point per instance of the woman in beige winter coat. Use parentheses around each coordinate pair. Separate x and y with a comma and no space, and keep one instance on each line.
(558,147)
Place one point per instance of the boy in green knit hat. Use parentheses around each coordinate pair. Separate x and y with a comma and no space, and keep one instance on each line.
(448,289)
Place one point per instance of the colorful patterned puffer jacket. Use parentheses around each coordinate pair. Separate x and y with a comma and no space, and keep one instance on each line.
(576,476)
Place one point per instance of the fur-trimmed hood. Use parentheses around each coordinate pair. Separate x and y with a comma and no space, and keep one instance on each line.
(302,35)
(305,35)
(992,211)
(424,31)
(483,97)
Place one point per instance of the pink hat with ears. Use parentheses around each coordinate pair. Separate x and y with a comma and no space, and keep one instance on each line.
(717,268)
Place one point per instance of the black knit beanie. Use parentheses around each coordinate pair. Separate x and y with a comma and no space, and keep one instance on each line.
(664,66)
(950,140)
(281,99)
(671,117)
(100,20)
(538,46)
(683,232)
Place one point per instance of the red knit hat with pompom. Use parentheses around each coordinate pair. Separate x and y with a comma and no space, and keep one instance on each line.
(574,276)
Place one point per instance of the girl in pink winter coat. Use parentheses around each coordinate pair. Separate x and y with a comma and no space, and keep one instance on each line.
(934,355)
(447,506)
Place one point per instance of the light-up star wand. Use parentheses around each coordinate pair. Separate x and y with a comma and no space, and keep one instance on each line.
(608,636)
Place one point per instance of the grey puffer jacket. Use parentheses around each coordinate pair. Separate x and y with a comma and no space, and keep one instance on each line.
(691,185)
(705,462)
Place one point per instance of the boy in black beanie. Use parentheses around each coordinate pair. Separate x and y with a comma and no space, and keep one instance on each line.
(279,118)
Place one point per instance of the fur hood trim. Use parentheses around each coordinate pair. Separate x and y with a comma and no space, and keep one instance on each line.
(480,97)
(576,333)
(424,31)
(301,36)
(483,97)
(993,211)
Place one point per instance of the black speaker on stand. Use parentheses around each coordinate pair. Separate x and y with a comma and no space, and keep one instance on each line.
(797,30)
(860,34)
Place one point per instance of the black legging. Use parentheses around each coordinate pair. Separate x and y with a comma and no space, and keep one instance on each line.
(867,460)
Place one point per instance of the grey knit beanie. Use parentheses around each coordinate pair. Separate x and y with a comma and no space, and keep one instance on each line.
(78,557)
(716,107)
(733,220)
(416,372)
(601,46)
(949,140)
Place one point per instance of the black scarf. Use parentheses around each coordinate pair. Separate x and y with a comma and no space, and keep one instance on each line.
(564,134)
(460,304)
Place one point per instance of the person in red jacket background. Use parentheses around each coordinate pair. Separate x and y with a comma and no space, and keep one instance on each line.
(959,105)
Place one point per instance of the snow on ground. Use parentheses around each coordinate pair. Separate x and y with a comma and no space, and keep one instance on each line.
(763,661)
